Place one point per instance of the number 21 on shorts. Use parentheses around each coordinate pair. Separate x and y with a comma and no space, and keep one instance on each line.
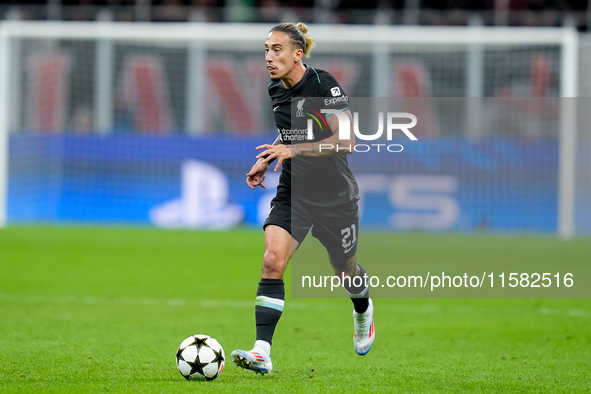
(349,237)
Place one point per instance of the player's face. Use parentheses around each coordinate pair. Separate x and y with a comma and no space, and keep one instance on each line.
(280,56)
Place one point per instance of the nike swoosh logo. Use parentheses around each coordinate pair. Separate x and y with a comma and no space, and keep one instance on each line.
(349,248)
(268,213)
(275,108)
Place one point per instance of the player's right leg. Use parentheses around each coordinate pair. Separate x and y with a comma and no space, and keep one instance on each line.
(279,246)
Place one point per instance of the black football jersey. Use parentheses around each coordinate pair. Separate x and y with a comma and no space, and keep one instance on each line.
(322,181)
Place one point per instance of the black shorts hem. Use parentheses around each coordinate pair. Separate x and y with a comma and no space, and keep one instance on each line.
(266,224)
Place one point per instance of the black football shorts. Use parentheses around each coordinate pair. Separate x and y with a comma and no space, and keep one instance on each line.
(336,227)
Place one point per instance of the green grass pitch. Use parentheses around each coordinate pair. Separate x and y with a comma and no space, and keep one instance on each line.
(87,309)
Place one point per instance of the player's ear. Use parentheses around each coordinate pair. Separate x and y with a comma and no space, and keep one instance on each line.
(298,55)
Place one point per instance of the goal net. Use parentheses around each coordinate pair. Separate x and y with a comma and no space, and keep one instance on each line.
(118,123)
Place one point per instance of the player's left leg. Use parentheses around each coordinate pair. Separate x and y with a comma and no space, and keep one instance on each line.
(356,283)
(337,229)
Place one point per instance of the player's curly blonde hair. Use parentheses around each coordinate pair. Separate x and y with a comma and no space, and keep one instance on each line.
(298,34)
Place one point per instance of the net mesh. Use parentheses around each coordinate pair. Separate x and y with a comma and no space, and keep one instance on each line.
(153,87)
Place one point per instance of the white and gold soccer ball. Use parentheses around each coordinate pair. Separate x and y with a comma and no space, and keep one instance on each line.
(200,357)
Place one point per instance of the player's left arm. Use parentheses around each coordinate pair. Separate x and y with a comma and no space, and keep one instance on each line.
(330,146)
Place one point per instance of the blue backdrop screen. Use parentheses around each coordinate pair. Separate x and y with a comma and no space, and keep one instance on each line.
(437,184)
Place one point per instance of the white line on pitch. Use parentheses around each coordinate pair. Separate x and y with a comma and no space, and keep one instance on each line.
(240,304)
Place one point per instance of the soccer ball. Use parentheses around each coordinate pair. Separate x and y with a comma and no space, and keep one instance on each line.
(200,357)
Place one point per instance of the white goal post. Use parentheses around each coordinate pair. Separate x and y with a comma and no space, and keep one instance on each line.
(374,42)
(4,123)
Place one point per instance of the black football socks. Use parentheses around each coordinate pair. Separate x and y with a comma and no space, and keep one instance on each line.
(358,290)
(268,307)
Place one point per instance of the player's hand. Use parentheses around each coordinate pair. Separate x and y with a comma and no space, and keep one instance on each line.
(280,152)
(256,175)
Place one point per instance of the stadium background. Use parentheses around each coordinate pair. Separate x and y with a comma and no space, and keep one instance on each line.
(117,130)
(122,131)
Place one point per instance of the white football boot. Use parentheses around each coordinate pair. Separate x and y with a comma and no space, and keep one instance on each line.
(257,360)
(364,334)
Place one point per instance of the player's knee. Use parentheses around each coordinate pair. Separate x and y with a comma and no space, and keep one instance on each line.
(347,267)
(273,264)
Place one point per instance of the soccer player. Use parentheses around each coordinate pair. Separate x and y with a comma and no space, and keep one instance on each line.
(316,190)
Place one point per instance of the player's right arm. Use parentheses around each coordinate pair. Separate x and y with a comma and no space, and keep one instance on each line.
(256,175)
